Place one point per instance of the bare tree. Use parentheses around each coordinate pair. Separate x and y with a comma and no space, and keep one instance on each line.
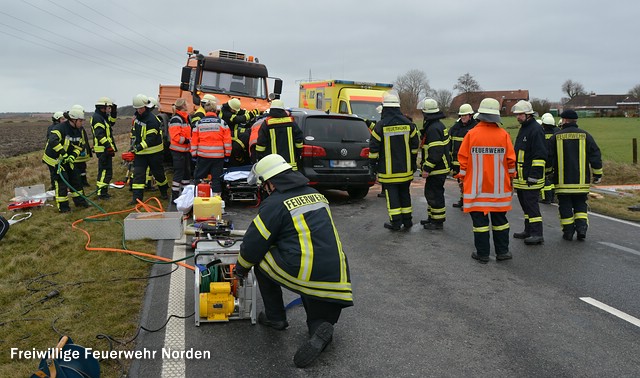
(635,91)
(443,97)
(540,106)
(573,88)
(411,87)
(466,83)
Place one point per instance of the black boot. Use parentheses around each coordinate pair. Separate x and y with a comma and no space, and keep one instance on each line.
(393,226)
(521,235)
(458,204)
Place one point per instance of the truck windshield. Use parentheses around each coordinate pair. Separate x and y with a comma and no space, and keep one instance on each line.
(365,109)
(238,85)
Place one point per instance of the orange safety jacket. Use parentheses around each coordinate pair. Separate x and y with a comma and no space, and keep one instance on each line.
(180,132)
(211,138)
(487,165)
(253,137)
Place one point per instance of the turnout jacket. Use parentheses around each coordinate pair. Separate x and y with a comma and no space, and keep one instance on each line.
(211,138)
(436,158)
(146,133)
(64,140)
(573,153)
(180,132)
(531,155)
(393,147)
(280,134)
(549,130)
(487,164)
(456,135)
(294,241)
(101,125)
(85,154)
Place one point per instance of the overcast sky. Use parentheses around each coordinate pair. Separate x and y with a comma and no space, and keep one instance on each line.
(59,53)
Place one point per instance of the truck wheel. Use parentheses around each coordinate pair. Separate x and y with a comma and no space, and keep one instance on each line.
(358,193)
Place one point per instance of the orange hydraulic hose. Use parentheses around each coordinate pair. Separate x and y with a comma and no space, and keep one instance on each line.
(140,204)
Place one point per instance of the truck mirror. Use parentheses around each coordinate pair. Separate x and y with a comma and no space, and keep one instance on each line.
(185,78)
(273,96)
(277,86)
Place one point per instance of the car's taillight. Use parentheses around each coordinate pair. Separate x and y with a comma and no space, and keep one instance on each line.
(365,152)
(314,151)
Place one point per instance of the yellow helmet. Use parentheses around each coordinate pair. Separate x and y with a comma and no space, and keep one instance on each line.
(234,104)
(266,168)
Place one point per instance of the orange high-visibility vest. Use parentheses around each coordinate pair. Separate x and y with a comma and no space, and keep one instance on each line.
(487,164)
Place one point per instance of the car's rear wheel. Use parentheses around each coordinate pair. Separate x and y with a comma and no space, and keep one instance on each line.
(358,193)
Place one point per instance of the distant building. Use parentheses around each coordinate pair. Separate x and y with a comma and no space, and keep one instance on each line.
(506,99)
(604,105)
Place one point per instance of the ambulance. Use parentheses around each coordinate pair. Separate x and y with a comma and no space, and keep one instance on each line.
(344,97)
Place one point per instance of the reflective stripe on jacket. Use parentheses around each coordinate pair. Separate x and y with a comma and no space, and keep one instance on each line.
(294,241)
(435,150)
(574,158)
(101,125)
(211,138)
(147,133)
(180,132)
(487,164)
(531,155)
(279,134)
(64,139)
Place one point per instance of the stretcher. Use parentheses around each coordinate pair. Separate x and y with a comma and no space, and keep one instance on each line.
(235,187)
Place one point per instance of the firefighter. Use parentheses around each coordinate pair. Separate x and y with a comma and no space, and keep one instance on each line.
(456,134)
(280,134)
(393,150)
(64,146)
(436,163)
(148,147)
(487,164)
(200,112)
(549,126)
(575,158)
(81,161)
(104,145)
(55,119)
(293,242)
(239,122)
(180,137)
(531,154)
(211,145)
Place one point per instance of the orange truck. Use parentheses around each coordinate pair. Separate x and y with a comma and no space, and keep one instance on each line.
(345,97)
(224,74)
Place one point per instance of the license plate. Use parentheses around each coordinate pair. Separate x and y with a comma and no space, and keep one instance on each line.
(342,163)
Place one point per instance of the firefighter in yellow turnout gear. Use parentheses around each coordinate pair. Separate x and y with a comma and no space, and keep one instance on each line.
(393,151)
(575,158)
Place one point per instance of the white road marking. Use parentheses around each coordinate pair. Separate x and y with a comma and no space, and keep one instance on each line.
(622,315)
(614,219)
(625,249)
(174,335)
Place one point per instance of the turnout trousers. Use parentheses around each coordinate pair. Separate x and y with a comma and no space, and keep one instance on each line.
(317,311)
(532,218)
(71,176)
(499,227)
(434,194)
(398,202)
(105,172)
(154,163)
(181,170)
(573,212)
(213,167)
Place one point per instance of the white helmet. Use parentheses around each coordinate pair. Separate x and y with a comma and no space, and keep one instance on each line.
(275,104)
(104,101)
(76,112)
(153,103)
(489,110)
(430,106)
(547,119)
(58,115)
(522,106)
(234,104)
(390,100)
(209,98)
(266,168)
(465,109)
(140,101)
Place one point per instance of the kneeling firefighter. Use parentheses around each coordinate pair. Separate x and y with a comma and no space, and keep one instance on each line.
(293,242)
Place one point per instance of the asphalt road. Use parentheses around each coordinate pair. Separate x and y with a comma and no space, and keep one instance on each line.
(423,307)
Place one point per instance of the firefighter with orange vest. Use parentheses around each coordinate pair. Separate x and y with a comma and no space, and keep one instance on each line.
(487,166)
(211,145)
(280,134)
(180,137)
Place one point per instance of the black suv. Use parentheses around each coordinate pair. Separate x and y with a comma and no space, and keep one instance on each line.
(335,154)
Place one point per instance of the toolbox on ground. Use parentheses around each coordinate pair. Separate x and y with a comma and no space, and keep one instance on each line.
(167,225)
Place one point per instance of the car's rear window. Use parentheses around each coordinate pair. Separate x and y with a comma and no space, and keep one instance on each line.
(326,129)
